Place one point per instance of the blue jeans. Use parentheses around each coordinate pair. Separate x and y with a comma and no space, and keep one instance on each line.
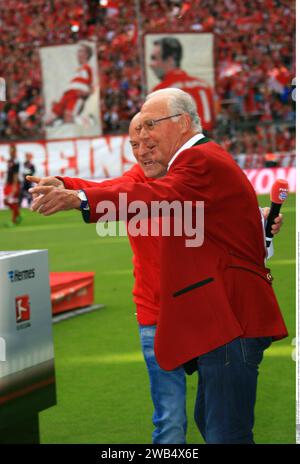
(168,393)
(224,410)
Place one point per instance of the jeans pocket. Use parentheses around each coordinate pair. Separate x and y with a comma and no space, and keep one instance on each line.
(148,331)
(217,356)
(147,334)
(253,349)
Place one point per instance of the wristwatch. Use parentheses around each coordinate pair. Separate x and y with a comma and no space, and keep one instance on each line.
(84,205)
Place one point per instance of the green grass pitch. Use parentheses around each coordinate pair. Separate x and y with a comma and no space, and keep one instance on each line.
(102,382)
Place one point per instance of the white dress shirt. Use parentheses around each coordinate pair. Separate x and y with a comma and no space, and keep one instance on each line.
(187,145)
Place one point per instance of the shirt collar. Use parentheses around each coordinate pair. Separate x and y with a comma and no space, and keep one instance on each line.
(187,145)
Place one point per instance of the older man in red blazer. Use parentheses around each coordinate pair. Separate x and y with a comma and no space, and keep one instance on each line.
(218,308)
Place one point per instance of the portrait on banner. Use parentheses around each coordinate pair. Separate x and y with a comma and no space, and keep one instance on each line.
(71,90)
(186,61)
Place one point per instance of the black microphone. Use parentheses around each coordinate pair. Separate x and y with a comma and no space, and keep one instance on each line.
(279,193)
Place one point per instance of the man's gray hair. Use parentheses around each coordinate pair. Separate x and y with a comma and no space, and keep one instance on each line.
(180,102)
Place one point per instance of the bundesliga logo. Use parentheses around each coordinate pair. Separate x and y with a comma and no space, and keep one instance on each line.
(15,276)
(22,308)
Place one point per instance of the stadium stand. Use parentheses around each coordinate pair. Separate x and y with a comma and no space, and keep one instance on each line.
(254,57)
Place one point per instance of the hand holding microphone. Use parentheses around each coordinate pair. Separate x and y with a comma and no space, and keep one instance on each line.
(278,195)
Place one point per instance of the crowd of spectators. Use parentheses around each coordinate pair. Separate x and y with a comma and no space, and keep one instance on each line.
(254,58)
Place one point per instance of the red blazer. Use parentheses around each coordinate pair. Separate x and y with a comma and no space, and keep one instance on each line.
(221,290)
(135,174)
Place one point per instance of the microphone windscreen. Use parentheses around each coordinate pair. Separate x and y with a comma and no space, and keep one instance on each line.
(279,192)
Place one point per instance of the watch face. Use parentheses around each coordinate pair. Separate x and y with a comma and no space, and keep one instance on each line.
(84,201)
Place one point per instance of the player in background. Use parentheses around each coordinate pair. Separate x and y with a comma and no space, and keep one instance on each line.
(69,107)
(165,62)
(12,187)
(28,170)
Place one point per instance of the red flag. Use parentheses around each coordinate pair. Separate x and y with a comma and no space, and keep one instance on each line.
(109,4)
(185,8)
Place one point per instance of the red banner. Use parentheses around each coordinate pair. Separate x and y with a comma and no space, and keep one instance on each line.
(263,179)
(111,156)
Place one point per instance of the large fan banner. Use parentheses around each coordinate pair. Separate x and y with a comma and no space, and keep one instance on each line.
(185,61)
(71,90)
(107,157)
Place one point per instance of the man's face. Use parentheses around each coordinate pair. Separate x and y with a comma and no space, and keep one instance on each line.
(82,55)
(157,64)
(149,167)
(159,144)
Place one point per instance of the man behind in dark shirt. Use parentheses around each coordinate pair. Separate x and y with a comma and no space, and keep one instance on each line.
(28,170)
(12,186)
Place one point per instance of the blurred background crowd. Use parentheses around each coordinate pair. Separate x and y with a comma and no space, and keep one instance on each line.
(254,60)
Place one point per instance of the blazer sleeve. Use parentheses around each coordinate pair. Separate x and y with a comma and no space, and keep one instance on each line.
(134,174)
(186,180)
